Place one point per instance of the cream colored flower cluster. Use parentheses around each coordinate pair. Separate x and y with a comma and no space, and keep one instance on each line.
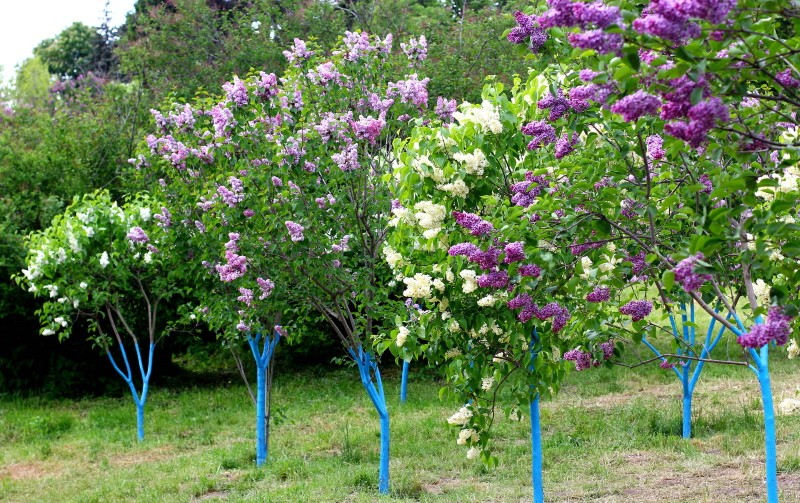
(487,116)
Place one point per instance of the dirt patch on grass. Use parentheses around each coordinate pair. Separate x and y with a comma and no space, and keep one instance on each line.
(34,470)
(441,486)
(139,457)
(211,495)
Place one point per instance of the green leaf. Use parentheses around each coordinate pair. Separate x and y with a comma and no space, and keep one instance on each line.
(668,278)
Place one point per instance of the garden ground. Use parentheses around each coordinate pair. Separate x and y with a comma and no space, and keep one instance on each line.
(610,436)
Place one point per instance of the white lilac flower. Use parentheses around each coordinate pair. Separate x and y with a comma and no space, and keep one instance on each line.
(402,336)
(457,188)
(393,257)
(487,383)
(487,301)
(793,350)
(461,417)
(83,285)
(761,289)
(466,435)
(48,331)
(104,261)
(470,280)
(454,327)
(61,321)
(144,213)
(418,287)
(473,453)
(474,163)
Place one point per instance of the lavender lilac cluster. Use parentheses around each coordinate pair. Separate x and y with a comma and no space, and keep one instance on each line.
(473,223)
(776,329)
(637,309)
(685,274)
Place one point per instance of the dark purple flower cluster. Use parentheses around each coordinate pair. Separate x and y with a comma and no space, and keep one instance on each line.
(637,309)
(637,262)
(493,279)
(628,208)
(553,310)
(583,359)
(635,105)
(527,29)
(565,145)
(678,100)
(530,270)
(514,252)
(598,40)
(598,93)
(566,14)
(526,192)
(702,117)
(559,106)
(707,185)
(580,249)
(473,223)
(542,132)
(687,277)
(672,19)
(777,328)
(786,79)
(599,294)
(525,303)
(486,260)
(608,349)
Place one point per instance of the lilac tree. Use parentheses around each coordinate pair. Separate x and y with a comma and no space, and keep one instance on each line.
(279,179)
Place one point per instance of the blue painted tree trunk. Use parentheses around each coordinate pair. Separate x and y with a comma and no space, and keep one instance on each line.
(263,358)
(690,372)
(371,379)
(761,358)
(537,478)
(536,452)
(139,399)
(404,382)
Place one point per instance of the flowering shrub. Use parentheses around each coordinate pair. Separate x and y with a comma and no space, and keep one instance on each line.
(110,265)
(278,183)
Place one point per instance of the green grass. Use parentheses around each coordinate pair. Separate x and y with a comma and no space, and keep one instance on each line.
(612,435)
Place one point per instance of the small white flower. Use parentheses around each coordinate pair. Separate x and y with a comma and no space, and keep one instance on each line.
(402,335)
(761,289)
(466,435)
(48,331)
(148,257)
(473,453)
(487,301)
(192,316)
(461,417)
(61,321)
(83,285)
(88,230)
(487,383)
(76,303)
(255,25)
(792,350)
(104,261)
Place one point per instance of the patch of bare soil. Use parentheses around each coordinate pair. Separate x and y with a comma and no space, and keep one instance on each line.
(139,457)
(33,470)
(211,495)
(441,486)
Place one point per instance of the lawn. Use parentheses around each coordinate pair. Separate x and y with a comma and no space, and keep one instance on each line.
(611,435)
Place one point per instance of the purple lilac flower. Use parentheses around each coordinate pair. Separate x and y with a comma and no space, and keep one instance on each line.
(530,270)
(702,117)
(655,146)
(242,327)
(599,294)
(266,286)
(608,349)
(777,328)
(347,159)
(678,100)
(246,296)
(266,85)
(525,303)
(445,108)
(671,19)
(236,92)
(527,30)
(297,52)
(526,192)
(628,208)
(234,268)
(542,132)
(184,119)
(565,145)
(558,105)
(493,279)
(580,249)
(588,75)
(473,223)
(598,40)
(637,262)
(514,252)
(368,128)
(295,231)
(416,50)
(325,73)
(486,260)
(466,249)
(583,359)
(786,79)
(553,310)
(635,105)
(248,213)
(223,121)
(411,90)
(687,277)
(277,182)
(138,235)
(357,45)
(637,309)
(666,365)
(234,195)
(707,185)
(164,218)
